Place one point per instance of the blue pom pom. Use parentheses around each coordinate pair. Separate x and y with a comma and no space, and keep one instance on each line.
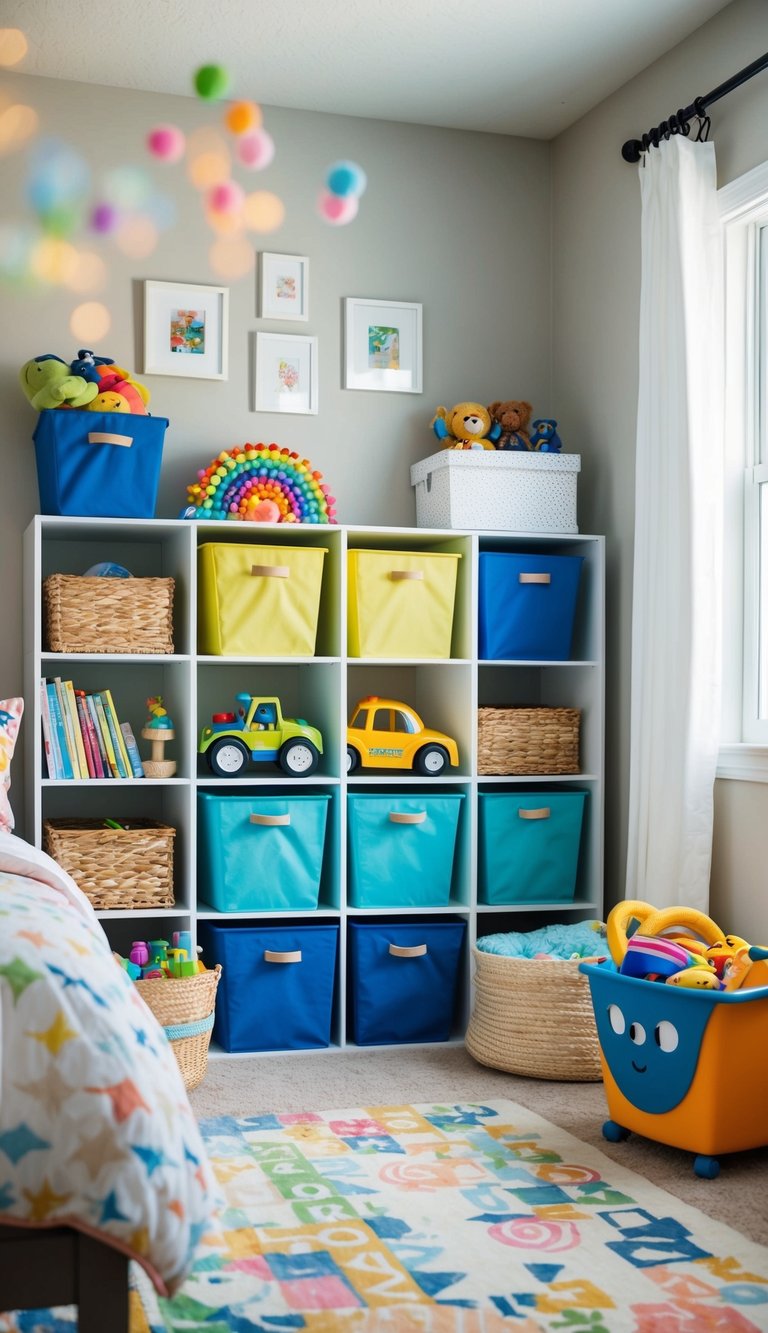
(345,178)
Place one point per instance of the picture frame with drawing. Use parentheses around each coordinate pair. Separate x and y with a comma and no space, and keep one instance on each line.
(382,345)
(285,373)
(283,287)
(186,330)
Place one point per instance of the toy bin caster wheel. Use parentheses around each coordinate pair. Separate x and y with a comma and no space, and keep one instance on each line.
(706,1167)
(614,1133)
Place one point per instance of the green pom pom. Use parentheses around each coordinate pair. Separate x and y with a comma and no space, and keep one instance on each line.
(211,82)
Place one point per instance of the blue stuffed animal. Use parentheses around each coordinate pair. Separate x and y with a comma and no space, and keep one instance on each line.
(86,364)
(545,437)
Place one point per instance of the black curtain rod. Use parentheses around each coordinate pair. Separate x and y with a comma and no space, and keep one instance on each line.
(678,124)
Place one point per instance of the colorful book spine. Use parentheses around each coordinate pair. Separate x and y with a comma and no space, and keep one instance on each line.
(104,728)
(137,768)
(96,736)
(67,722)
(45,716)
(82,757)
(89,735)
(81,718)
(57,729)
(112,713)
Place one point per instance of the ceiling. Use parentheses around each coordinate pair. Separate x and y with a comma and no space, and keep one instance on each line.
(527,67)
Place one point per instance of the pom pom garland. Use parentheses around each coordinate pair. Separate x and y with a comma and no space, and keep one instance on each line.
(211,82)
(235,485)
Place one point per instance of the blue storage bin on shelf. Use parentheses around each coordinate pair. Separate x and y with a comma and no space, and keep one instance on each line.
(529,845)
(527,605)
(277,984)
(261,853)
(98,464)
(403,980)
(401,849)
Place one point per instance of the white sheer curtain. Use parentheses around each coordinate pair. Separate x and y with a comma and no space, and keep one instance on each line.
(675,711)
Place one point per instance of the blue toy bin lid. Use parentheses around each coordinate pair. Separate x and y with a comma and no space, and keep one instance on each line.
(605,977)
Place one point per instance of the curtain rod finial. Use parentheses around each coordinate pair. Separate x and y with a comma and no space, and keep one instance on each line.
(631,151)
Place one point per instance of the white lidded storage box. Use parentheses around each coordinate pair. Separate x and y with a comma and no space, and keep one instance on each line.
(505,490)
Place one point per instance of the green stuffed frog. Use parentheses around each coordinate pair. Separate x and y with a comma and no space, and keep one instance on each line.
(48,382)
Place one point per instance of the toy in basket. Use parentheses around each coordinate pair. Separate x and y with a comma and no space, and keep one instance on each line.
(181,993)
(682,1015)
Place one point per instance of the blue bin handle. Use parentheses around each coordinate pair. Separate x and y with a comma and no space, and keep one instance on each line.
(407,951)
(282,955)
(402,817)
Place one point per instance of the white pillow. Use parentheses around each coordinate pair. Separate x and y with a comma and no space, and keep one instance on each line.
(10,721)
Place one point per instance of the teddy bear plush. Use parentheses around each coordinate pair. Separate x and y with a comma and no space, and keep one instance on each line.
(545,437)
(512,417)
(465,426)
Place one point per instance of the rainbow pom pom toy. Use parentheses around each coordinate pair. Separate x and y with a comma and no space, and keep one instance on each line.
(237,483)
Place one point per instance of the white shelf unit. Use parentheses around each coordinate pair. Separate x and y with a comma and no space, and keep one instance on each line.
(324,689)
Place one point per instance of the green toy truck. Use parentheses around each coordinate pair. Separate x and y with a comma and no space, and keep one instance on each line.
(258,733)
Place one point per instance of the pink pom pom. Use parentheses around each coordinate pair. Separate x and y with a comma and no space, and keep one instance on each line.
(256,149)
(266,511)
(226,197)
(337,209)
(166,142)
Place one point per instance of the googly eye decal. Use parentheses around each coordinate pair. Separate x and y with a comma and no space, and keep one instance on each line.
(637,1034)
(667,1036)
(617,1020)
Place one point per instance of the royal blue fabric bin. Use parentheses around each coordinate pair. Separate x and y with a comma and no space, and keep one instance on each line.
(399,997)
(401,849)
(265,1004)
(98,464)
(527,605)
(260,853)
(529,845)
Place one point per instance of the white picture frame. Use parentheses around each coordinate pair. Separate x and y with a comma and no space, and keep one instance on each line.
(382,345)
(283,287)
(285,373)
(186,330)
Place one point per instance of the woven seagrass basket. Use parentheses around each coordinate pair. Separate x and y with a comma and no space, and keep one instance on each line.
(527,740)
(115,868)
(106,615)
(185,1007)
(534,1016)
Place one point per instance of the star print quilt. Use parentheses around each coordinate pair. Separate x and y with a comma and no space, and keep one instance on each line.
(96,1131)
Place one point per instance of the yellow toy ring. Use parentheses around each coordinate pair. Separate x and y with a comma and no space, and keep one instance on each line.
(618,920)
(698,923)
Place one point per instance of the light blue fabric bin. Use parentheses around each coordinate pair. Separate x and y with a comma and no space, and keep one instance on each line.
(401,849)
(527,605)
(261,853)
(529,846)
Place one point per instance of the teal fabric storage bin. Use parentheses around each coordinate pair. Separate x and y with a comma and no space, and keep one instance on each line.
(261,853)
(277,984)
(527,605)
(529,845)
(401,849)
(403,980)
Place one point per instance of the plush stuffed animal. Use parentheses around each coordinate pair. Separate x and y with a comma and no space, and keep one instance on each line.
(512,417)
(48,382)
(545,437)
(109,378)
(465,426)
(121,395)
(87,364)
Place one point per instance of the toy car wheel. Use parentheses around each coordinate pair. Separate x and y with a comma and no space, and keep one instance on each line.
(227,757)
(353,759)
(431,760)
(299,758)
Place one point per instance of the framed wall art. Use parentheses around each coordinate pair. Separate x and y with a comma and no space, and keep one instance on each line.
(283,287)
(285,374)
(382,345)
(186,330)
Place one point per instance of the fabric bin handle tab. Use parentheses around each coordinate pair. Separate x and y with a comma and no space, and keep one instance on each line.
(397,575)
(108,437)
(401,817)
(407,951)
(282,955)
(543,813)
(271,571)
(534,578)
(270,821)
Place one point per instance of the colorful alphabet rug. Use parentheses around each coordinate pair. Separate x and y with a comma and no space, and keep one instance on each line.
(454,1219)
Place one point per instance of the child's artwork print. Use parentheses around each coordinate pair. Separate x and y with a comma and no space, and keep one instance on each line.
(286,289)
(383,347)
(187,331)
(289,376)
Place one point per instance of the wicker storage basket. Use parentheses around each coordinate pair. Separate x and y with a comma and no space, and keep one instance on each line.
(115,868)
(185,1008)
(533,1016)
(527,740)
(107,615)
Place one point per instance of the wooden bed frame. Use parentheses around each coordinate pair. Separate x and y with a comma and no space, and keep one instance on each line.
(59,1266)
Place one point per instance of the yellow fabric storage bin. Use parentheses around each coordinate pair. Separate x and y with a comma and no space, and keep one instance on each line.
(258,601)
(401,603)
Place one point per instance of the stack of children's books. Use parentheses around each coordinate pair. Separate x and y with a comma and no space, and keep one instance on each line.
(83,736)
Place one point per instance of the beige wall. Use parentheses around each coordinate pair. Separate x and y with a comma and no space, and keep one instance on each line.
(457,221)
(596,286)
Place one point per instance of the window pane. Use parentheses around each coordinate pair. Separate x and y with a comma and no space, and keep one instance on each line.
(762,710)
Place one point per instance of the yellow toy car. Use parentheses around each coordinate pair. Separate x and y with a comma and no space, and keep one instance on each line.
(385,733)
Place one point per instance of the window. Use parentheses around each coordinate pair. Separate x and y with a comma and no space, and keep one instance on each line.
(744,210)
(360,719)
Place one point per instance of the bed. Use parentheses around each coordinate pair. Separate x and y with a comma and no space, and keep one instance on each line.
(101,1160)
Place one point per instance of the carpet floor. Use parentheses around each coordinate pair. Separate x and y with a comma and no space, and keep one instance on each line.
(320,1081)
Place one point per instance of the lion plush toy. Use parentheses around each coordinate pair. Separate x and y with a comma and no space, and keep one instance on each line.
(512,418)
(465,426)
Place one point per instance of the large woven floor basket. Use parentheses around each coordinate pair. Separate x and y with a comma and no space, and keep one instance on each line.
(86,614)
(185,1008)
(533,1016)
(527,740)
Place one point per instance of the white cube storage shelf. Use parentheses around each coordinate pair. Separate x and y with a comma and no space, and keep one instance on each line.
(323,689)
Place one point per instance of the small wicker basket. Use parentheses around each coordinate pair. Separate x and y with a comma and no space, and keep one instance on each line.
(533,1016)
(185,1008)
(527,740)
(101,615)
(115,868)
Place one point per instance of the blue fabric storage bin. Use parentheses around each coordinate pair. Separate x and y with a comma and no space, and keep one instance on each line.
(395,998)
(529,857)
(527,605)
(98,464)
(401,849)
(264,1004)
(261,853)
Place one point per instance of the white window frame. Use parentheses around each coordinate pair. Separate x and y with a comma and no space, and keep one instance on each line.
(743,211)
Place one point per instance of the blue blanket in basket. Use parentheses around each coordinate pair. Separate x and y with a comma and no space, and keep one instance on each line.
(582,939)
